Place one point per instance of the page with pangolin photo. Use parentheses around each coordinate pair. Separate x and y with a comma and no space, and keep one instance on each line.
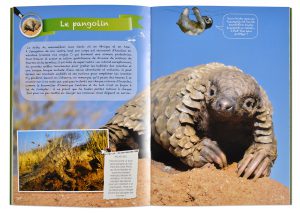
(119,106)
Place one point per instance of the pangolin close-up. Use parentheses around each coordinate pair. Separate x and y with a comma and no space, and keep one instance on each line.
(30,24)
(209,113)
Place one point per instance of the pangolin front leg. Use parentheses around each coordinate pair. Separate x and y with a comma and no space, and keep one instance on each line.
(183,142)
(175,120)
(258,161)
(260,156)
(195,152)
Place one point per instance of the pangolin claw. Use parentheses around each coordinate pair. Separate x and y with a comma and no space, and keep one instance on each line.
(213,154)
(254,165)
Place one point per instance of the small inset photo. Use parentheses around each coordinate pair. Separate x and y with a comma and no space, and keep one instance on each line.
(61,160)
(31,25)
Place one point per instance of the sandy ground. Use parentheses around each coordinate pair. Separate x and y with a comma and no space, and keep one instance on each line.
(210,186)
(205,186)
(87,199)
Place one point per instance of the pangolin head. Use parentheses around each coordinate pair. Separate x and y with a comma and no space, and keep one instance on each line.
(232,95)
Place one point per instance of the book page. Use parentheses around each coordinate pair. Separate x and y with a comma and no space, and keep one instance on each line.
(80,85)
(221,105)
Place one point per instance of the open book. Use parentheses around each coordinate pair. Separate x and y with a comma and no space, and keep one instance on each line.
(133,106)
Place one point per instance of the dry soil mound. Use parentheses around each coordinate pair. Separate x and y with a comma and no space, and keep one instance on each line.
(211,186)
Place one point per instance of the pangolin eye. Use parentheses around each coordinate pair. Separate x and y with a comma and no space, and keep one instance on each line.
(212,91)
(249,103)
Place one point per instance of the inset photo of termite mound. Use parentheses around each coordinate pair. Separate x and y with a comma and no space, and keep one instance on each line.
(63,160)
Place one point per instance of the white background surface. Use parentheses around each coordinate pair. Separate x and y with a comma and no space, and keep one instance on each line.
(5,107)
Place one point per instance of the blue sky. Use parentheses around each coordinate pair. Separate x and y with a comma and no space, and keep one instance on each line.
(266,58)
(28,140)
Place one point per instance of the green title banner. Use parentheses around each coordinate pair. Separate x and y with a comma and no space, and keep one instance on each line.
(124,22)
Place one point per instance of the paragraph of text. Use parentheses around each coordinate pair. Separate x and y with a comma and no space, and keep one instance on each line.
(120,174)
(78,70)
(239,26)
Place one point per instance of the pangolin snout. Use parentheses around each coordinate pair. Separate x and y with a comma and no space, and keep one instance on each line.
(225,105)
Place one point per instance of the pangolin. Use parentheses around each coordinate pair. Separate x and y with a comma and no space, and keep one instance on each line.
(205,114)
(54,161)
(31,24)
(63,158)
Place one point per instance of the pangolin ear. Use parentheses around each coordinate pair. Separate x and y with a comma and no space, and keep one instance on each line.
(208,85)
(263,120)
